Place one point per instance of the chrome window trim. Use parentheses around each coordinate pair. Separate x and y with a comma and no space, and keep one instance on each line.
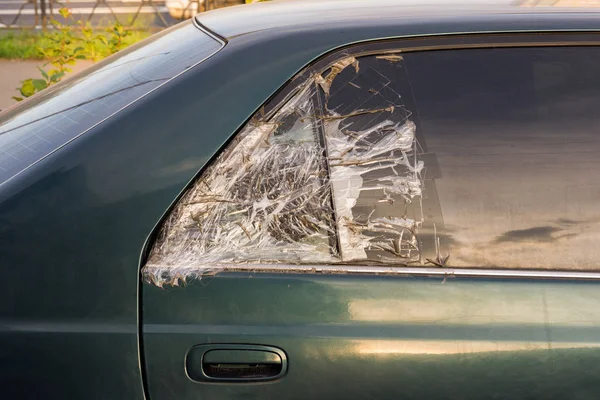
(406,271)
(212,35)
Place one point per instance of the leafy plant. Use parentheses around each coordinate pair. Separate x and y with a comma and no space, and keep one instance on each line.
(117,35)
(68,42)
(30,86)
(89,41)
(62,52)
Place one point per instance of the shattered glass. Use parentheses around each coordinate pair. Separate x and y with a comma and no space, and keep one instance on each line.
(372,155)
(335,175)
(265,199)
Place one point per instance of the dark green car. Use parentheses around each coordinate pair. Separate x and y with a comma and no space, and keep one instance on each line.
(312,200)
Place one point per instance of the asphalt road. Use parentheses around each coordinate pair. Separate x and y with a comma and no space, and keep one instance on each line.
(20,13)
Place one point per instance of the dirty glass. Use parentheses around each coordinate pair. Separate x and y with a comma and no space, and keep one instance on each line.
(516,135)
(34,128)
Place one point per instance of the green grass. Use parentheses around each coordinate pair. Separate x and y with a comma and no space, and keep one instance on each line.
(23,44)
(20,45)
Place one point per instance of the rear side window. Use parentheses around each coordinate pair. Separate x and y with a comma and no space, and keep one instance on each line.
(462,158)
(333,176)
(40,125)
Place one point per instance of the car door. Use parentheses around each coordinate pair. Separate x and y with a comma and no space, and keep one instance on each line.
(406,220)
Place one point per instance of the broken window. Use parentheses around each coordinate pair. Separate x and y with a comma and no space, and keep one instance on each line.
(266,198)
(372,154)
(335,175)
(337,170)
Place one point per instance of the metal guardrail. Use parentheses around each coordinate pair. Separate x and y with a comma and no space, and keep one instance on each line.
(16,16)
(162,13)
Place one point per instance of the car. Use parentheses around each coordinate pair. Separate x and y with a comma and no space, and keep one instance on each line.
(312,200)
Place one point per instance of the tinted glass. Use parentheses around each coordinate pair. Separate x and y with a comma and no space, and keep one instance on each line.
(38,126)
(516,135)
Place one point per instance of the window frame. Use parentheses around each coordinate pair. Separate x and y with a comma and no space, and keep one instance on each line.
(398,46)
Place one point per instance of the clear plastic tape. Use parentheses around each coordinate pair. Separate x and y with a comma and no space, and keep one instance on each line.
(268,197)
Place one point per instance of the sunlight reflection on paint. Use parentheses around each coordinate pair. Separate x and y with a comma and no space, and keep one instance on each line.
(394,348)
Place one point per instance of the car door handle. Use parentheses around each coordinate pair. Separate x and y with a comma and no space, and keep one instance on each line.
(235,363)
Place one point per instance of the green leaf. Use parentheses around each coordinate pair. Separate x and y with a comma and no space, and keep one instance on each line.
(17,98)
(39,84)
(44,73)
(65,12)
(81,57)
(42,51)
(56,77)
(27,88)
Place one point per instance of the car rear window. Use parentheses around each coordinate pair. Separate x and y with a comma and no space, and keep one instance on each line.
(36,127)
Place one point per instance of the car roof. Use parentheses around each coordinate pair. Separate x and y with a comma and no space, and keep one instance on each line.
(283,15)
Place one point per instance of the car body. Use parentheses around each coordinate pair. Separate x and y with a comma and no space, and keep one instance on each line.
(311,200)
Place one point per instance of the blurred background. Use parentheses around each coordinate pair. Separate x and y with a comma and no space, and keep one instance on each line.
(152,14)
